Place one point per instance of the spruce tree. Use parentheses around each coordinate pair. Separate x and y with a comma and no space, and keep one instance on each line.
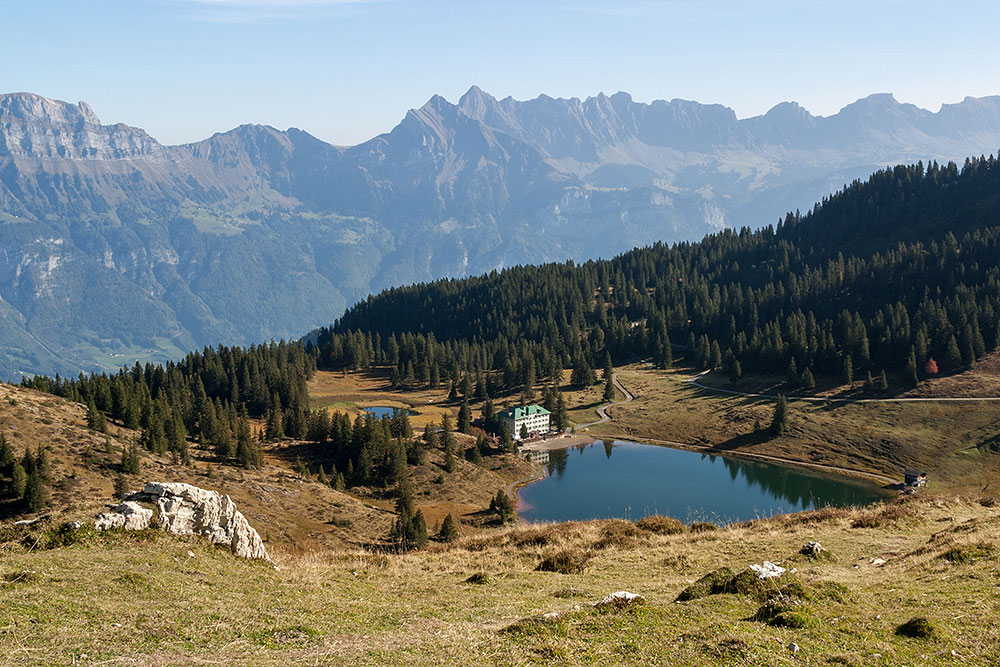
(808,381)
(883,382)
(560,416)
(449,529)
(18,480)
(779,422)
(6,456)
(34,491)
(848,374)
(465,418)
(910,371)
(952,356)
(609,390)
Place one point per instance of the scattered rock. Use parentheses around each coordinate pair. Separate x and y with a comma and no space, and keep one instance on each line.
(793,647)
(189,510)
(811,549)
(72,525)
(767,570)
(129,515)
(190,554)
(620,598)
(879,562)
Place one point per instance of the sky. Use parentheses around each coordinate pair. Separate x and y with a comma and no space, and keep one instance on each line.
(347,70)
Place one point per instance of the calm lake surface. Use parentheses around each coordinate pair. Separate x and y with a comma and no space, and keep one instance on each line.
(628,480)
(382,410)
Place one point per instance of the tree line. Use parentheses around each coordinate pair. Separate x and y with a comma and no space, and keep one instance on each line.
(886,275)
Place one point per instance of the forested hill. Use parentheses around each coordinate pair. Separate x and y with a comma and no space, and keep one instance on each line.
(885,275)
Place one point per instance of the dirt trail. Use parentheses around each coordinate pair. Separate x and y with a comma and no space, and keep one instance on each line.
(602,410)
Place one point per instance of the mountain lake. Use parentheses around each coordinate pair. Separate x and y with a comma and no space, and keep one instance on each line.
(618,479)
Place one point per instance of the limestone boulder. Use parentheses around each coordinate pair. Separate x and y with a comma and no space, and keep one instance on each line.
(129,515)
(184,509)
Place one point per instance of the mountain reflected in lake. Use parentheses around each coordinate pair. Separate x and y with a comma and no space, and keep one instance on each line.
(627,480)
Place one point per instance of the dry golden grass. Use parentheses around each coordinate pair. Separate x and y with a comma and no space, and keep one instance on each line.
(293,513)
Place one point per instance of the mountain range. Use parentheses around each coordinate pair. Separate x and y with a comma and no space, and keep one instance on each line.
(116,248)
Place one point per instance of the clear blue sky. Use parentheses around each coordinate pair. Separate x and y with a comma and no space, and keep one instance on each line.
(347,70)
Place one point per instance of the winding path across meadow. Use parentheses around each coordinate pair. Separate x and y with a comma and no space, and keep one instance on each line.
(602,410)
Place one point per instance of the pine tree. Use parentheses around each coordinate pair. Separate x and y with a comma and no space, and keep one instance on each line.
(121,487)
(883,382)
(560,416)
(6,456)
(952,357)
(465,418)
(130,460)
(504,508)
(609,390)
(848,376)
(779,422)
(736,372)
(808,381)
(18,480)
(449,529)
(910,373)
(34,491)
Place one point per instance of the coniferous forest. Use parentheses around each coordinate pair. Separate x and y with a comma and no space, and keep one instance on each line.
(896,274)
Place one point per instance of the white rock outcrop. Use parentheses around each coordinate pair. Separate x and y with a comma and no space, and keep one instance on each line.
(128,515)
(767,570)
(619,597)
(184,509)
(189,510)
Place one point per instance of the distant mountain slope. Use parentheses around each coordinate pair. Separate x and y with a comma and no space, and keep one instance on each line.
(114,247)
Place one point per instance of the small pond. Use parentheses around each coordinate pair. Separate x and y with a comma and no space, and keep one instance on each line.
(383,410)
(628,480)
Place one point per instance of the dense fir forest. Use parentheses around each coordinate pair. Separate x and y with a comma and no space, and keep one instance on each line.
(898,274)
(208,396)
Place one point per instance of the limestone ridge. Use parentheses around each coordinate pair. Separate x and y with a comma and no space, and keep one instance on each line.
(114,247)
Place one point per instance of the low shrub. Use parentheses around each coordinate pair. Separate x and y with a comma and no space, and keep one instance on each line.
(565,562)
(661,525)
(621,534)
(887,515)
(968,553)
(702,527)
(918,627)
(479,578)
(784,612)
(712,583)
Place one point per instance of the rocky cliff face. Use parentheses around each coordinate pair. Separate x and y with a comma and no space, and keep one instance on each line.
(114,248)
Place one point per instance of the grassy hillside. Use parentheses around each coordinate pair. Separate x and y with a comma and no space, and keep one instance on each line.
(957,442)
(159,605)
(293,511)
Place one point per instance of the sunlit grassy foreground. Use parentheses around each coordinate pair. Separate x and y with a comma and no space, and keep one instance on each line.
(141,599)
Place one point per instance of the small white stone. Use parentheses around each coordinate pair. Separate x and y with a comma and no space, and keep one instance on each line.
(190,554)
(793,647)
(623,596)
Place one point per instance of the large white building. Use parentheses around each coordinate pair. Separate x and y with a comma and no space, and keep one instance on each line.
(534,418)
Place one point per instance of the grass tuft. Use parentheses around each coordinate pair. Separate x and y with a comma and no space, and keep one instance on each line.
(919,627)
(661,525)
(479,578)
(568,561)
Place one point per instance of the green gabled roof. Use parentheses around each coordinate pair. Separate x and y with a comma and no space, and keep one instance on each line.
(522,411)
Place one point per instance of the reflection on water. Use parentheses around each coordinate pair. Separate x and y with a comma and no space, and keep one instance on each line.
(587,482)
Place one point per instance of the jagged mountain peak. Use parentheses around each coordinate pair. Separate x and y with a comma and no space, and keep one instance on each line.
(30,106)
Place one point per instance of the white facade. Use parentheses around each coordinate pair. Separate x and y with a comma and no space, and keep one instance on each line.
(534,418)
